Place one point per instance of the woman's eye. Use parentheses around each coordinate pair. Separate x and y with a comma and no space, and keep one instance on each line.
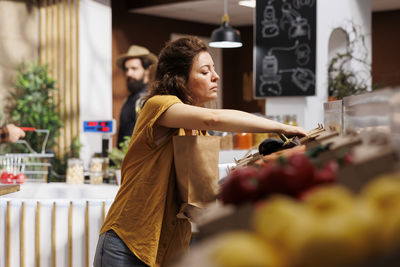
(205,72)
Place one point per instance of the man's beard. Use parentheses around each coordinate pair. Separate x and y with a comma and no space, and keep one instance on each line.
(135,86)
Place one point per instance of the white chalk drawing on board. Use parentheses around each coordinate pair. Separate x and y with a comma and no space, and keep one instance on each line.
(270,22)
(270,79)
(303,54)
(303,3)
(298,26)
(288,15)
(271,75)
(302,77)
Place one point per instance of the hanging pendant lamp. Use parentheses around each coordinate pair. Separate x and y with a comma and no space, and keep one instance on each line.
(225,36)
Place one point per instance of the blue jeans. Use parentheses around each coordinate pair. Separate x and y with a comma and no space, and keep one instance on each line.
(111,251)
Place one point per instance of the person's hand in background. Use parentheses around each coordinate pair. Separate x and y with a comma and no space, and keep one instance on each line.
(14,133)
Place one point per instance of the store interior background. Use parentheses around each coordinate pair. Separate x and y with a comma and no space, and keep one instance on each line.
(80,40)
(238,63)
(104,29)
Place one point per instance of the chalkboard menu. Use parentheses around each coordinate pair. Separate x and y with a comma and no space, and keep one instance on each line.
(284,56)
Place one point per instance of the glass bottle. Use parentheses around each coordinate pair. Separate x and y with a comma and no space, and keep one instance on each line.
(243,140)
(294,120)
(287,119)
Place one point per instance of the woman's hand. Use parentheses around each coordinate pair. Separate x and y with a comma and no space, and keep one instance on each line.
(290,130)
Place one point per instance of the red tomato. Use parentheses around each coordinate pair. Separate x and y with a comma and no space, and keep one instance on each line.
(348,159)
(6,178)
(271,180)
(20,178)
(290,177)
(297,174)
(327,174)
(240,186)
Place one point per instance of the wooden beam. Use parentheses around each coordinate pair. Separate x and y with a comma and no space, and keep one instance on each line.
(134,4)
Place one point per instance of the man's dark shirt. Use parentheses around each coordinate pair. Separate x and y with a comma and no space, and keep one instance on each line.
(127,117)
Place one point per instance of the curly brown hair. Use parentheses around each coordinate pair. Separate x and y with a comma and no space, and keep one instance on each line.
(174,65)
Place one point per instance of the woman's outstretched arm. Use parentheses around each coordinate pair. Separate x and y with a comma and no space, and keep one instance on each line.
(228,120)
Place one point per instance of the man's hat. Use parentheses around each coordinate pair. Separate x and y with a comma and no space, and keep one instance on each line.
(136,51)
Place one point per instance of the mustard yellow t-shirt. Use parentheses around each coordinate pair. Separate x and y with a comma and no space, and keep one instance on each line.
(143,213)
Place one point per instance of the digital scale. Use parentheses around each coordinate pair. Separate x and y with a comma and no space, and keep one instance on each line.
(104,127)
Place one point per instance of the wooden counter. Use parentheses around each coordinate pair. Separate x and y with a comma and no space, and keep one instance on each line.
(8,188)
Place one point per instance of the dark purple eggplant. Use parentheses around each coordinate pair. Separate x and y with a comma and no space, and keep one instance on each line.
(270,145)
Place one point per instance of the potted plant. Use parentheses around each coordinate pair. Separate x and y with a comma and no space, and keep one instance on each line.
(32,103)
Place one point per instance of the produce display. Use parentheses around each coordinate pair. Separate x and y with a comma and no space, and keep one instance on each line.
(292,175)
(272,148)
(323,203)
(330,227)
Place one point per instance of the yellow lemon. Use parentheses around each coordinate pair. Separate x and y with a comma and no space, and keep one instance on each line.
(242,249)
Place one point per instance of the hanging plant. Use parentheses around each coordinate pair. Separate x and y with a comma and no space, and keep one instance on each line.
(343,80)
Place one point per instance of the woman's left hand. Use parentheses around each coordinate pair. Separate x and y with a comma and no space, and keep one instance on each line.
(290,130)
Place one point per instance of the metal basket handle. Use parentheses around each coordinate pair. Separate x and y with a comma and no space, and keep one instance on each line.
(47,132)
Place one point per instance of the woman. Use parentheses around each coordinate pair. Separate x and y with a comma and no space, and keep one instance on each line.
(141,228)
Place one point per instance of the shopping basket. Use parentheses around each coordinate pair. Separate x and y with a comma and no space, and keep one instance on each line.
(33,166)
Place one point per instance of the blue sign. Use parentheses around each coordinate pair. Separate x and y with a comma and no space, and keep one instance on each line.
(98,126)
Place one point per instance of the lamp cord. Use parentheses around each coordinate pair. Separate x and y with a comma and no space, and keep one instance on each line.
(225,7)
(225,17)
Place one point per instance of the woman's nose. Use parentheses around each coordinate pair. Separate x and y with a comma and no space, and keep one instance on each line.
(215,76)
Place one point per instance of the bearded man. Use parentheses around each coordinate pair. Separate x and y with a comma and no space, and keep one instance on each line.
(135,64)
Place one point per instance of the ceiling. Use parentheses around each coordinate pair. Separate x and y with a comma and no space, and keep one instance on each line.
(211,11)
